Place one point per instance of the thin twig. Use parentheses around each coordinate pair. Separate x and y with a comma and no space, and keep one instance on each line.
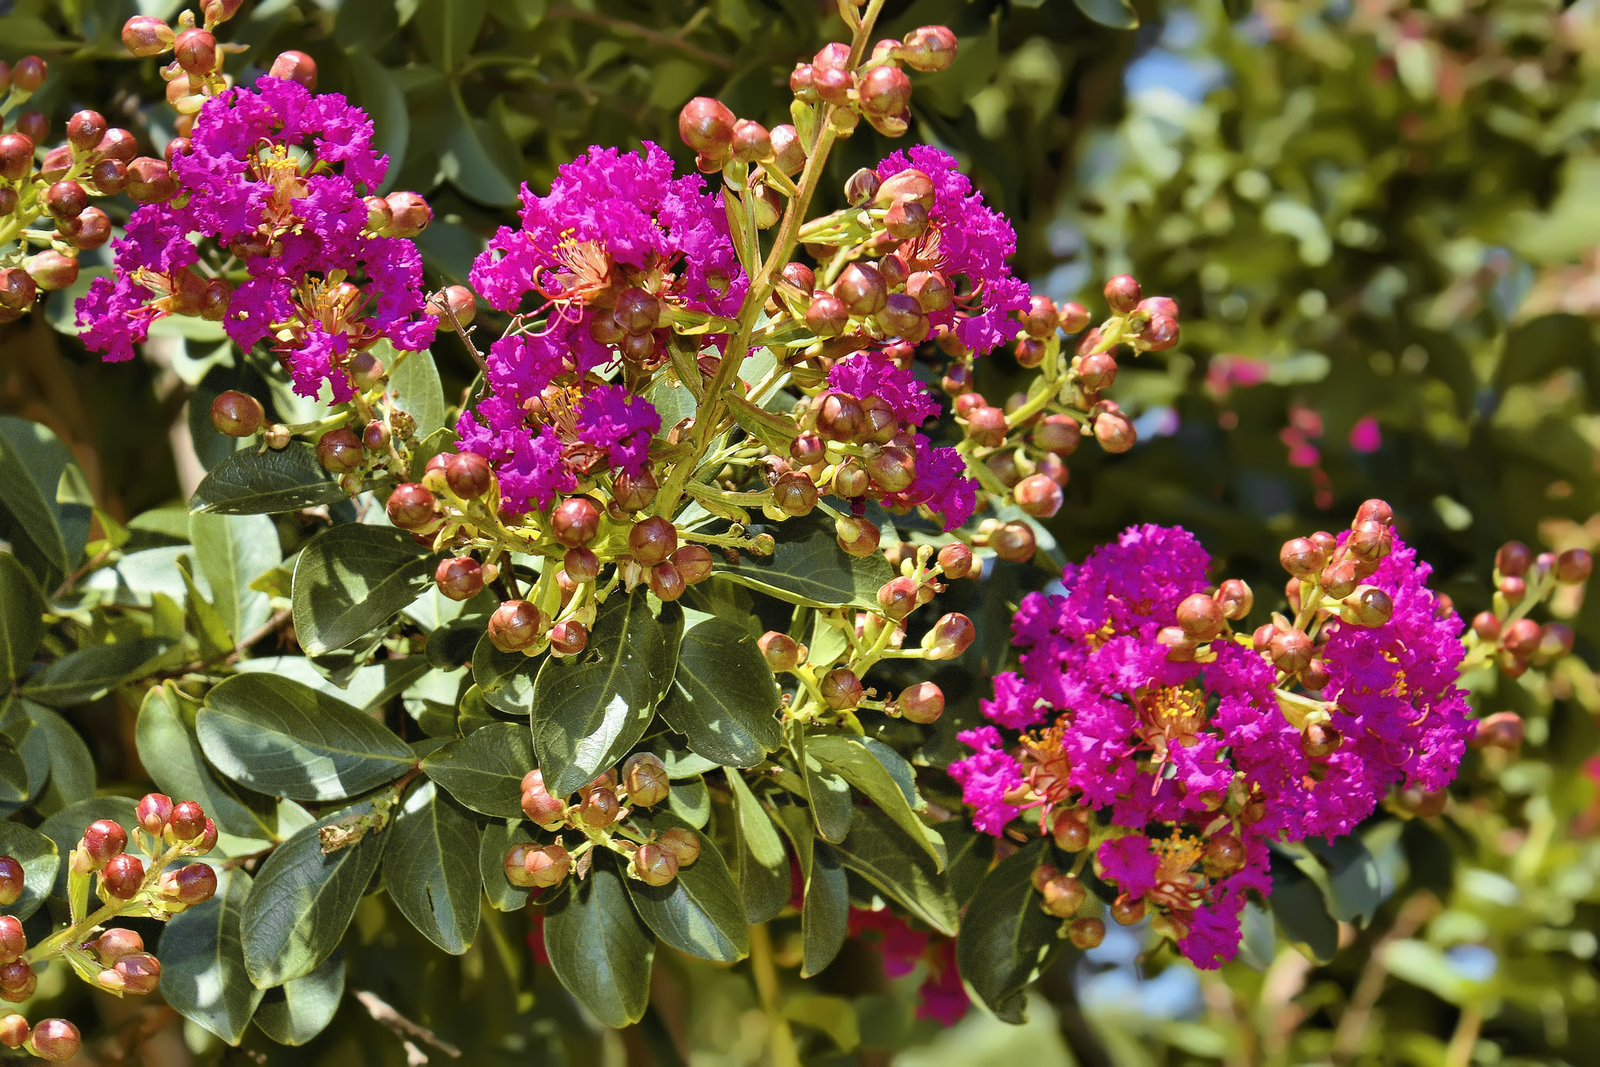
(1369,987)
(382,1012)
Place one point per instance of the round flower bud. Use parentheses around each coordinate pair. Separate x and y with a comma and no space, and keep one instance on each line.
(1423,804)
(857,537)
(850,480)
(644,777)
(840,417)
(375,436)
(1374,510)
(1070,830)
(1513,559)
(826,315)
(1059,434)
(652,540)
(682,844)
(1556,641)
(892,469)
(1290,650)
(794,493)
(931,289)
(187,821)
(457,300)
(1122,293)
(1038,495)
(1041,318)
(950,637)
(706,125)
(196,52)
(799,276)
(654,865)
(1503,730)
(1367,606)
(1301,557)
(84,130)
(1160,333)
(1014,542)
(1114,432)
(581,565)
(546,866)
(841,688)
(145,35)
(516,625)
(898,597)
(928,49)
(13,1030)
(17,289)
(88,231)
(1097,371)
(51,270)
(11,881)
(1063,895)
(694,563)
(599,808)
(1522,638)
(903,317)
(1127,911)
(751,142)
(666,581)
(191,885)
(955,560)
(150,181)
(122,876)
(1574,566)
(575,521)
(921,703)
(986,426)
(109,176)
(861,187)
(1319,741)
(861,289)
(205,842)
(340,452)
(153,812)
(1086,933)
(17,981)
(568,637)
(13,942)
(1235,599)
(1201,616)
(55,1040)
(788,155)
(1486,624)
(1339,578)
(295,67)
(781,651)
(460,578)
(540,806)
(468,475)
(833,86)
(103,839)
(140,973)
(1223,854)
(413,508)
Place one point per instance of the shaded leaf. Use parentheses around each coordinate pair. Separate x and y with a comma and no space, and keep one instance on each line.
(808,567)
(761,860)
(233,551)
(865,770)
(724,698)
(431,868)
(352,579)
(40,858)
(300,1009)
(202,962)
(21,625)
(170,751)
(599,947)
(699,911)
(484,770)
(1003,941)
(891,862)
(255,483)
(91,672)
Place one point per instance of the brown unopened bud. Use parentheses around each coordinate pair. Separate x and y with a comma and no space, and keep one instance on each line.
(1374,510)
(150,181)
(468,475)
(109,176)
(1319,741)
(862,289)
(1038,495)
(51,270)
(13,940)
(751,142)
(884,90)
(782,652)
(84,130)
(1503,730)
(196,52)
(89,230)
(921,703)
(1290,650)
(191,885)
(794,493)
(1423,804)
(1235,599)
(516,625)
(841,688)
(1223,854)
(706,125)
(1073,317)
(788,154)
(546,866)
(955,560)
(1063,894)
(153,811)
(17,289)
(145,35)
(599,808)
(581,565)
(666,581)
(1367,606)
(1513,588)
(575,521)
(569,637)
(1122,293)
(12,881)
(1574,566)
(1127,910)
(683,844)
(986,426)
(122,146)
(1059,434)
(413,508)
(340,452)
(892,468)
(1071,831)
(904,318)
(409,215)
(1302,557)
(1014,542)
(1097,371)
(898,597)
(1086,933)
(840,417)
(826,315)
(55,1040)
(1486,624)
(652,540)
(295,67)
(1200,616)
(694,563)
(654,865)
(102,840)
(952,635)
(644,776)
(140,973)
(857,537)
(799,276)
(13,1030)
(459,578)
(1522,638)
(1555,642)
(1114,432)
(861,187)
(928,49)
(122,876)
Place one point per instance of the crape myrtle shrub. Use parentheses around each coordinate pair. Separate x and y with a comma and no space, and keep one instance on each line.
(519,644)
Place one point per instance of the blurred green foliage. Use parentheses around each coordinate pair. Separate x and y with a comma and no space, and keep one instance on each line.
(1373,210)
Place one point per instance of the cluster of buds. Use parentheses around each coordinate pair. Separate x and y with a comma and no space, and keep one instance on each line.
(600,812)
(876,87)
(1063,896)
(113,959)
(833,691)
(1524,580)
(194,73)
(96,160)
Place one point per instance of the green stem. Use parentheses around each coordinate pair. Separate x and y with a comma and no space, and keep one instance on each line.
(765,970)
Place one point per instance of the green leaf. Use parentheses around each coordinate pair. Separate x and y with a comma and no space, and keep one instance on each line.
(1004,938)
(45,506)
(300,1009)
(864,768)
(254,483)
(171,754)
(698,912)
(414,383)
(448,28)
(834,1016)
(761,860)
(599,947)
(352,579)
(202,962)
(16,785)
(1354,884)
(279,737)
(65,827)
(304,900)
(21,624)
(809,568)
(1118,14)
(431,868)
(497,839)
(505,679)
(40,859)
(1302,911)
(885,858)
(233,551)
(724,698)
(825,905)
(827,793)
(690,800)
(970,855)
(91,672)
(484,770)
(590,709)
(55,754)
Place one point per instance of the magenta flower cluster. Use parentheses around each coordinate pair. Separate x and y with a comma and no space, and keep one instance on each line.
(615,228)
(1158,748)
(277,176)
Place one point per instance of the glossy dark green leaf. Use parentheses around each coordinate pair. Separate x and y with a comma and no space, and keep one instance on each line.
(761,861)
(698,912)
(16,787)
(449,28)
(496,840)
(303,901)
(352,579)
(56,755)
(1118,14)
(505,679)
(255,483)
(590,709)
(1003,941)
(970,854)
(484,770)
(724,698)
(599,947)
(825,904)
(282,738)
(202,962)
(414,384)
(891,861)
(233,551)
(300,1009)
(40,858)
(1354,884)
(865,769)
(170,751)
(21,625)
(827,792)
(810,568)
(45,507)
(91,672)
(690,800)
(1302,911)
(431,868)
